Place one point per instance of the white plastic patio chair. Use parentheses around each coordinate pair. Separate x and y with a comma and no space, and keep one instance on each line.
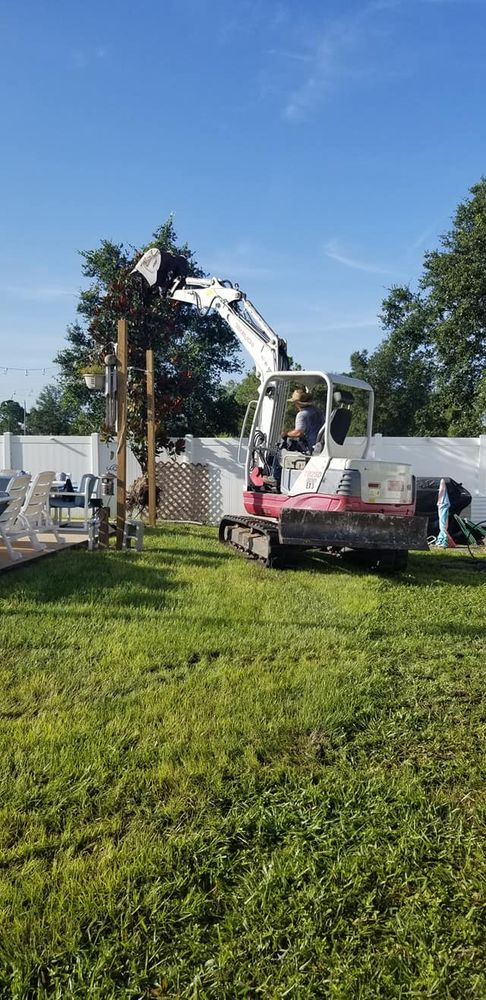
(78,499)
(6,476)
(35,509)
(11,527)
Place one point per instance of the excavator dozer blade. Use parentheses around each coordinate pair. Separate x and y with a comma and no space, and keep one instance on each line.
(319,529)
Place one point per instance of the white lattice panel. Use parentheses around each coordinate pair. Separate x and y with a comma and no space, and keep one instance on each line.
(183,492)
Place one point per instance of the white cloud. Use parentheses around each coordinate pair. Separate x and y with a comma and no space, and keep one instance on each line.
(240,261)
(36,293)
(232,268)
(225,267)
(346,48)
(294,55)
(422,238)
(334,252)
(333,55)
(365,323)
(324,68)
(324,324)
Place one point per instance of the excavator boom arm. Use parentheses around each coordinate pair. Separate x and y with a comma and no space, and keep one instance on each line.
(168,273)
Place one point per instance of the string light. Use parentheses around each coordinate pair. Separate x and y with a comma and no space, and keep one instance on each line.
(28,371)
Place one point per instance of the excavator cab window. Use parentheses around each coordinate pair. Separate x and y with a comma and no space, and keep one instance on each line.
(340,425)
(341,418)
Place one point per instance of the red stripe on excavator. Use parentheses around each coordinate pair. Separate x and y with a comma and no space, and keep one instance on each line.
(270,504)
(264,504)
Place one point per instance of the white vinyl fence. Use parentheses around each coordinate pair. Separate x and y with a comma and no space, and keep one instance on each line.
(73,455)
(464,459)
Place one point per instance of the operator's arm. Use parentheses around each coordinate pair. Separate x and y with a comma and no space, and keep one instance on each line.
(300,426)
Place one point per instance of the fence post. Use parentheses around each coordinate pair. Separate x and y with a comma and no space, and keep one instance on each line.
(189,448)
(95,454)
(7,450)
(152,495)
(121,432)
(376,445)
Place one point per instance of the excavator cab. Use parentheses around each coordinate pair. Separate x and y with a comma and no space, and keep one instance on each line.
(347,409)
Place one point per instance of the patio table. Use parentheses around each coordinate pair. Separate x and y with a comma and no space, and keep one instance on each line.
(68,492)
(59,487)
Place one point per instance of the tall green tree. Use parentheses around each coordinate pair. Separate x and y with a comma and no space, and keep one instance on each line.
(85,408)
(401,370)
(11,416)
(454,283)
(192,350)
(429,371)
(51,413)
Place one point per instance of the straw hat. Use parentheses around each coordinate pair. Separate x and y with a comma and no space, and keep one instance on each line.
(301,396)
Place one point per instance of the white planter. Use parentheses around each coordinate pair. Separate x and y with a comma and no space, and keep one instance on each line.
(95,381)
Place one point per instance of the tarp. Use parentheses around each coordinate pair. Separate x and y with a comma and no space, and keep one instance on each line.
(443,507)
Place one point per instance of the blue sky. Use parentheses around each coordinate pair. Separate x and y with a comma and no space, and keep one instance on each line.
(310,150)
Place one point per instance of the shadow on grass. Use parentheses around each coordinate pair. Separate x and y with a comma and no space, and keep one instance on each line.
(455,630)
(430,569)
(106,579)
(423,570)
(199,557)
(126,580)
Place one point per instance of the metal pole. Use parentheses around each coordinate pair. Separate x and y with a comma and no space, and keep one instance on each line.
(121,448)
(152,502)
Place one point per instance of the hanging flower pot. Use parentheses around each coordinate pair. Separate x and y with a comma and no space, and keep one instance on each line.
(94,378)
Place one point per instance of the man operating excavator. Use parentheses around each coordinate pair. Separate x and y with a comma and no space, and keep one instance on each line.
(308,422)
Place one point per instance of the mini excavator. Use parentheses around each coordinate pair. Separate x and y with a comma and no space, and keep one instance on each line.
(336,498)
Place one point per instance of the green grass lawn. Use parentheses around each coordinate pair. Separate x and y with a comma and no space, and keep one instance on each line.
(220,781)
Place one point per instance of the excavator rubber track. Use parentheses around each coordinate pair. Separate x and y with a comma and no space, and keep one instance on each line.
(256,538)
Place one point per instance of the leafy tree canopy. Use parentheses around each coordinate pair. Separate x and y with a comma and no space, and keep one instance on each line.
(401,370)
(454,286)
(429,371)
(11,416)
(52,413)
(192,350)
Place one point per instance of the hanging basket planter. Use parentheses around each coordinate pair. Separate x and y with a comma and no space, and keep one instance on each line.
(94,380)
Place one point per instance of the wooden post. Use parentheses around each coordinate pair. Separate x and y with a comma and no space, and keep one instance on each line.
(152,502)
(121,448)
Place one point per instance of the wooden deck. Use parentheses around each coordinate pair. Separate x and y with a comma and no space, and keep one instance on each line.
(72,539)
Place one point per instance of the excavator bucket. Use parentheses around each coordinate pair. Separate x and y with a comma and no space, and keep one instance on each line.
(161,268)
(322,529)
